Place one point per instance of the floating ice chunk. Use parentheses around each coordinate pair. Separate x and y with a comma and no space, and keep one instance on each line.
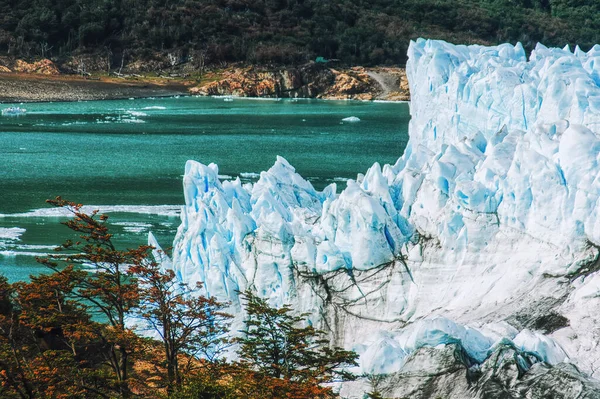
(133,227)
(341,179)
(351,119)
(35,246)
(12,254)
(250,175)
(136,113)
(11,233)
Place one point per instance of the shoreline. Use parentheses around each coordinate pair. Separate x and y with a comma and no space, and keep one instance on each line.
(24,102)
(34,88)
(253,98)
(2,102)
(18,87)
(309,80)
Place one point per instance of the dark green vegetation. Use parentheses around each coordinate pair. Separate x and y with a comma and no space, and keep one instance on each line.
(283,31)
(274,342)
(74,332)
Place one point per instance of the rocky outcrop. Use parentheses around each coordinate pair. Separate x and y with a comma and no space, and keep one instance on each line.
(312,80)
(352,84)
(447,372)
(44,67)
(308,81)
(41,67)
(31,87)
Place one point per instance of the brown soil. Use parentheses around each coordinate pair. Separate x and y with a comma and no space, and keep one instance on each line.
(19,87)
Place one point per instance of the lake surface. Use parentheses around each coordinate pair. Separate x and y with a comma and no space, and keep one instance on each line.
(127,157)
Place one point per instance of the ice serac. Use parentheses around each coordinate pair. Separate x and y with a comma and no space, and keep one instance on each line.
(484,234)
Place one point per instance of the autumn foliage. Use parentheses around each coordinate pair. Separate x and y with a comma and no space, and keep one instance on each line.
(81,331)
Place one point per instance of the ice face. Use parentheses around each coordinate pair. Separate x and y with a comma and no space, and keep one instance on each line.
(487,218)
(511,137)
(236,236)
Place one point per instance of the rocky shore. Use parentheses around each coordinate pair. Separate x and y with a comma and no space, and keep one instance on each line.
(33,88)
(311,81)
(42,80)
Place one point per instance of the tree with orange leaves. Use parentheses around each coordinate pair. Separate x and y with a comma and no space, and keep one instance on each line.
(103,281)
(129,283)
(184,321)
(61,333)
(47,343)
(67,335)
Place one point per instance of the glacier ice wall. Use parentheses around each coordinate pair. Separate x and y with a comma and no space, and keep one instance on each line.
(503,136)
(490,216)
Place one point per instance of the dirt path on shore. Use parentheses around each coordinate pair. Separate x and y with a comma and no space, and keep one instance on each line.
(33,88)
(386,81)
(391,85)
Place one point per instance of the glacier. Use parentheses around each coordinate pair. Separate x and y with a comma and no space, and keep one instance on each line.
(485,232)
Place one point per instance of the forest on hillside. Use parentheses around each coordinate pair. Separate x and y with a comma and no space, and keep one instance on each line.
(365,32)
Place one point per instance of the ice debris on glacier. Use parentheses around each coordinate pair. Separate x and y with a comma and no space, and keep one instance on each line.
(497,189)
(385,351)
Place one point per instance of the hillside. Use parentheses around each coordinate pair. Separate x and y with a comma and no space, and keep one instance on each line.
(162,33)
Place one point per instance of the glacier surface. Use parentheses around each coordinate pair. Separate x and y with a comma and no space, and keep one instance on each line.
(487,227)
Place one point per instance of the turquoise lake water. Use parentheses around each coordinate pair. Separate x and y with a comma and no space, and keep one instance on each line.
(126,157)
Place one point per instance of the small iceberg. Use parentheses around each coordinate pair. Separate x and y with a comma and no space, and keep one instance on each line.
(136,113)
(351,119)
(13,111)
(11,233)
(249,175)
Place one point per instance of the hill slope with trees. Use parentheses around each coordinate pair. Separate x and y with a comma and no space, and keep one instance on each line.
(214,32)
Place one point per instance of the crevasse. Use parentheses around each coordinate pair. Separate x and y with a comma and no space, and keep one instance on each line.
(491,213)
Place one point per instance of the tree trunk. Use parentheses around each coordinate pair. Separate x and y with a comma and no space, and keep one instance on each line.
(124,386)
